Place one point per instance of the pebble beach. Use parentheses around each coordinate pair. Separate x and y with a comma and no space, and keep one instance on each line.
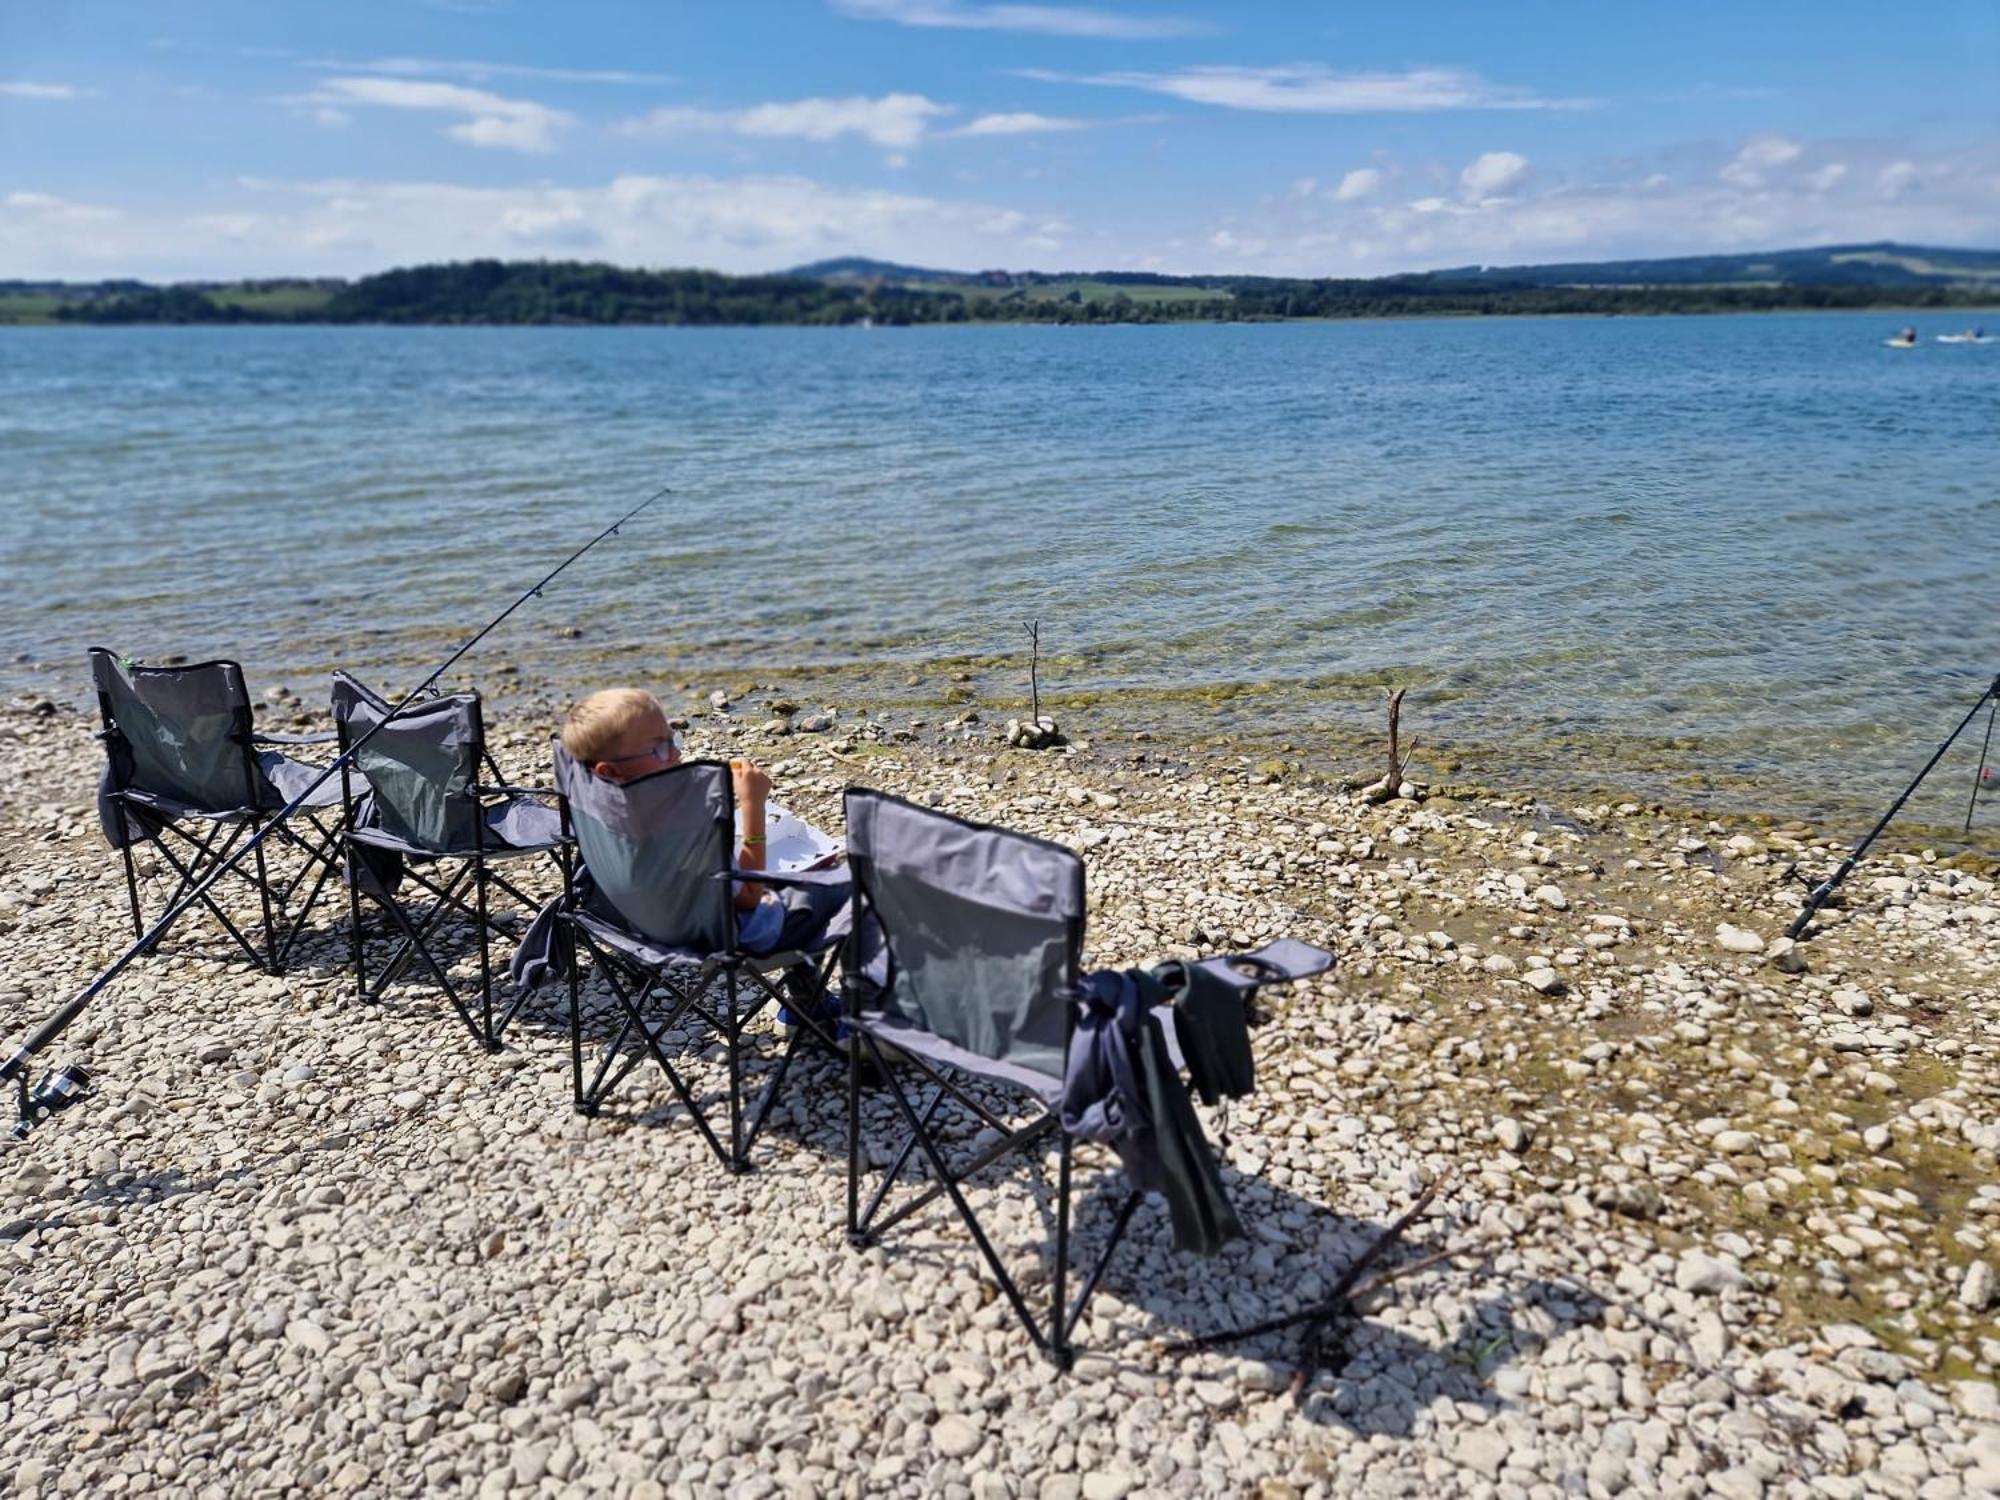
(1715,1213)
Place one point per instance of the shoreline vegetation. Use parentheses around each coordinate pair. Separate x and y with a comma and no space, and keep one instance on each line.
(846,293)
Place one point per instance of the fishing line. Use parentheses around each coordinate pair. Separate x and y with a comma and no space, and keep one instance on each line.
(1825,889)
(62,1088)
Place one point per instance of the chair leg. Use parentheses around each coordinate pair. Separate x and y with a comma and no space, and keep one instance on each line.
(854,1235)
(264,897)
(131,871)
(739,1157)
(575,1023)
(1060,1351)
(486,1032)
(949,1180)
(352,875)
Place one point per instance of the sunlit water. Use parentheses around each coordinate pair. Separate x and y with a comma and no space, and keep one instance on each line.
(1742,559)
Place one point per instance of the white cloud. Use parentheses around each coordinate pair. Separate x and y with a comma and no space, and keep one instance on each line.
(1304,187)
(490,120)
(348,227)
(1896,178)
(1362,182)
(1021,124)
(51,210)
(1758,157)
(893,121)
(1313,88)
(1042,20)
(1493,175)
(479,71)
(1629,209)
(23,89)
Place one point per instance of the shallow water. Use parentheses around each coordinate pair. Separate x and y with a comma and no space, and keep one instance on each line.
(1742,559)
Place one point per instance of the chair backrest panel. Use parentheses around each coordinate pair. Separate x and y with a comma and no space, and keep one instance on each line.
(984,927)
(656,848)
(423,765)
(186,730)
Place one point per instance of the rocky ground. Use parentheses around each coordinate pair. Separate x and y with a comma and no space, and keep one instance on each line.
(1725,1212)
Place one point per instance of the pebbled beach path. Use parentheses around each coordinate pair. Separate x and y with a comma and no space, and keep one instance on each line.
(1725,1212)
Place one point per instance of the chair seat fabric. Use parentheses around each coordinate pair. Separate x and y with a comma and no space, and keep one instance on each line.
(646,951)
(287,778)
(520,825)
(292,777)
(933,1048)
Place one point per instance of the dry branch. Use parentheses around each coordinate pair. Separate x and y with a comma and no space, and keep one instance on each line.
(1329,1307)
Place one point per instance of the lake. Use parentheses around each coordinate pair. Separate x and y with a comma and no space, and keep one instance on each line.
(1742,561)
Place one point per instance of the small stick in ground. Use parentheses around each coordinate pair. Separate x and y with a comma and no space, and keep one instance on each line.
(1399,760)
(1034,629)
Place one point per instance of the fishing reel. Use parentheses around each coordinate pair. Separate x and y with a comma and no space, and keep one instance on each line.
(58,1090)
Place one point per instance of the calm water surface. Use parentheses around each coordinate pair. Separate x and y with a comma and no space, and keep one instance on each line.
(1742,559)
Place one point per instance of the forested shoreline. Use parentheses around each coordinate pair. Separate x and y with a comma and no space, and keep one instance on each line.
(491,292)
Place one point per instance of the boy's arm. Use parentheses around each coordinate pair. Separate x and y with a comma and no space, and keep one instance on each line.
(753,790)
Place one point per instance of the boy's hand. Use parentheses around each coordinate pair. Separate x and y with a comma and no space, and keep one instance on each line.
(753,782)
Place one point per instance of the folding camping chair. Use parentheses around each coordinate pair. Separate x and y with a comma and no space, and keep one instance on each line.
(187,770)
(964,968)
(426,805)
(654,911)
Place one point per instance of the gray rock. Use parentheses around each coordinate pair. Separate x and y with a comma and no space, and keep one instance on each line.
(1976,1291)
(1738,939)
(956,1437)
(1700,1272)
(1785,955)
(1483,1449)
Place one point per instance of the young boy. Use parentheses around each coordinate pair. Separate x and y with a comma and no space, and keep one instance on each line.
(622,734)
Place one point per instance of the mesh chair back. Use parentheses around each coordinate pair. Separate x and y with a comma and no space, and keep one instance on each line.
(423,766)
(984,927)
(180,732)
(656,847)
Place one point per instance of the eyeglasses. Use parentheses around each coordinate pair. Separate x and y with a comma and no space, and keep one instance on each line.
(665,751)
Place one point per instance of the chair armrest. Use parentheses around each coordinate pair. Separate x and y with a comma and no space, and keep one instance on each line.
(1280,961)
(514,791)
(830,877)
(261,738)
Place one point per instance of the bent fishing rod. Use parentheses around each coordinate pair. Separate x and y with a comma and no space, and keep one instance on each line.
(62,1088)
(1822,892)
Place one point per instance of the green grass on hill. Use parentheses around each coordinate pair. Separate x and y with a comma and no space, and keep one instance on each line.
(1917,265)
(27,307)
(1086,290)
(283,301)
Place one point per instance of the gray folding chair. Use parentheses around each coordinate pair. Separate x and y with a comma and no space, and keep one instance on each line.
(964,969)
(427,804)
(187,770)
(653,910)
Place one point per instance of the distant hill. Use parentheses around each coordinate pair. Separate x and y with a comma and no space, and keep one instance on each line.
(860,268)
(1884,264)
(859,291)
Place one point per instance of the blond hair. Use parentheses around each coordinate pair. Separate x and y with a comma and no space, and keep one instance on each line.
(601,721)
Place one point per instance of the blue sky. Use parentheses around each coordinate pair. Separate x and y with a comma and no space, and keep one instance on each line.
(228,139)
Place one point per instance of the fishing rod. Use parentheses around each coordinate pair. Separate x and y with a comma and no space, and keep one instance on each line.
(59,1089)
(1825,889)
